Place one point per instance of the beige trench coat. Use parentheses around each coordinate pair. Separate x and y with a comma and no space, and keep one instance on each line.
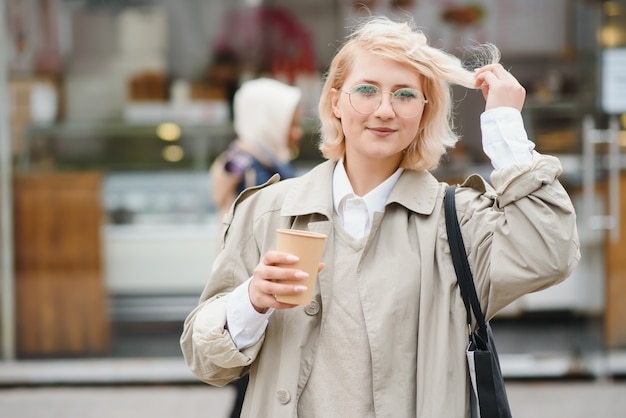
(520,237)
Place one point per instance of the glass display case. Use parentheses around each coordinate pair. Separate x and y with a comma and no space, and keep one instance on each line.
(122,146)
(159,228)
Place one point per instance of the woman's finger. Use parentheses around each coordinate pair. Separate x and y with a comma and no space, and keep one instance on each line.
(499,87)
(278,257)
(485,77)
(497,67)
(268,280)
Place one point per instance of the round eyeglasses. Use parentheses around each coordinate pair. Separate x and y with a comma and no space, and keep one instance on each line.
(366,99)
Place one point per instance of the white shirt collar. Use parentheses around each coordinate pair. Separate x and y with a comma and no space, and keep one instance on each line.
(375,200)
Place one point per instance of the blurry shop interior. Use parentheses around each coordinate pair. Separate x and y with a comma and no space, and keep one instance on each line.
(113,110)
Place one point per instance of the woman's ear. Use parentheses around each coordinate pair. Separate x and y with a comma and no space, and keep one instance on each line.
(334,103)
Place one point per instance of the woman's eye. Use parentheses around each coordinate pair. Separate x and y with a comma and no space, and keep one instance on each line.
(405,94)
(366,90)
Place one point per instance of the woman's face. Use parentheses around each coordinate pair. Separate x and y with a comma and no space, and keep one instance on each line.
(382,135)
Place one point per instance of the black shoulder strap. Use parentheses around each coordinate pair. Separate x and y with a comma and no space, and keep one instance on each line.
(459,259)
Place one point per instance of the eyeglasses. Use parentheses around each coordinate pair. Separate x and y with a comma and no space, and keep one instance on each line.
(366,99)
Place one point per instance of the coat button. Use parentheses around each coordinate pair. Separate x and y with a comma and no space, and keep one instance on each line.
(313,308)
(283,396)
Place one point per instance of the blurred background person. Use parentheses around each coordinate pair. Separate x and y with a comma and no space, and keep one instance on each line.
(267,116)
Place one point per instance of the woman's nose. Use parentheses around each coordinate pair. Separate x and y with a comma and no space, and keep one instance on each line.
(385,109)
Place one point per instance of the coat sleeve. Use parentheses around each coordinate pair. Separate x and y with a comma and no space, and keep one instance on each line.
(207,346)
(521,236)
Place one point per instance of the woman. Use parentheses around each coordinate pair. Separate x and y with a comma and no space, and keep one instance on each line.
(385,333)
(267,117)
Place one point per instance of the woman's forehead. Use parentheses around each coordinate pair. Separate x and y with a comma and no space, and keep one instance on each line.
(377,69)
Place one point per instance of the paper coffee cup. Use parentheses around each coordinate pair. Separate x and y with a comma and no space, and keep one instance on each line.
(308,247)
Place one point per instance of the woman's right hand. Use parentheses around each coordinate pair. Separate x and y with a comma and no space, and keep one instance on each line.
(267,278)
(499,87)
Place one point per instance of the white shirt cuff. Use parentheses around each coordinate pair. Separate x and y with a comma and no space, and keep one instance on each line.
(504,138)
(245,325)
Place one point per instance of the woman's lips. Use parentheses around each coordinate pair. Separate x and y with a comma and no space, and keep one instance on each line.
(382,131)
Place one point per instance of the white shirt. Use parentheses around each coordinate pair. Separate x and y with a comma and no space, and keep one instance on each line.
(504,141)
(355,212)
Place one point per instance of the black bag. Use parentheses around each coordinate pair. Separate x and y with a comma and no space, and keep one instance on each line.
(488,395)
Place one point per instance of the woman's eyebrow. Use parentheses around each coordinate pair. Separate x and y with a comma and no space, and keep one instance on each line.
(393,88)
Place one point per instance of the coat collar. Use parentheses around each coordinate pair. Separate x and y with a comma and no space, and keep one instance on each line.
(312,192)
(415,190)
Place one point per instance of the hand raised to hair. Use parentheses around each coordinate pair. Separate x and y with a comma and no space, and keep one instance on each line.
(499,87)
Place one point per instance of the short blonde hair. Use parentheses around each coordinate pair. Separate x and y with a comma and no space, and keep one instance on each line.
(402,43)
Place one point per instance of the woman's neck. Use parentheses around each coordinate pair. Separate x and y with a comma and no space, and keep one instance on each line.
(365,177)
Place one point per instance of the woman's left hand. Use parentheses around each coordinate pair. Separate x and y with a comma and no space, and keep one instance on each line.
(499,87)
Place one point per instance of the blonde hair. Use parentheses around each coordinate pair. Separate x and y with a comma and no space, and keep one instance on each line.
(402,43)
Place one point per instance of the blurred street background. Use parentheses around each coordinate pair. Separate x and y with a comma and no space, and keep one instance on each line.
(543,378)
(527,399)
(163,388)
(112,111)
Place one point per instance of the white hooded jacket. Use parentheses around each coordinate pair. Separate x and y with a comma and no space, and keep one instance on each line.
(263,110)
